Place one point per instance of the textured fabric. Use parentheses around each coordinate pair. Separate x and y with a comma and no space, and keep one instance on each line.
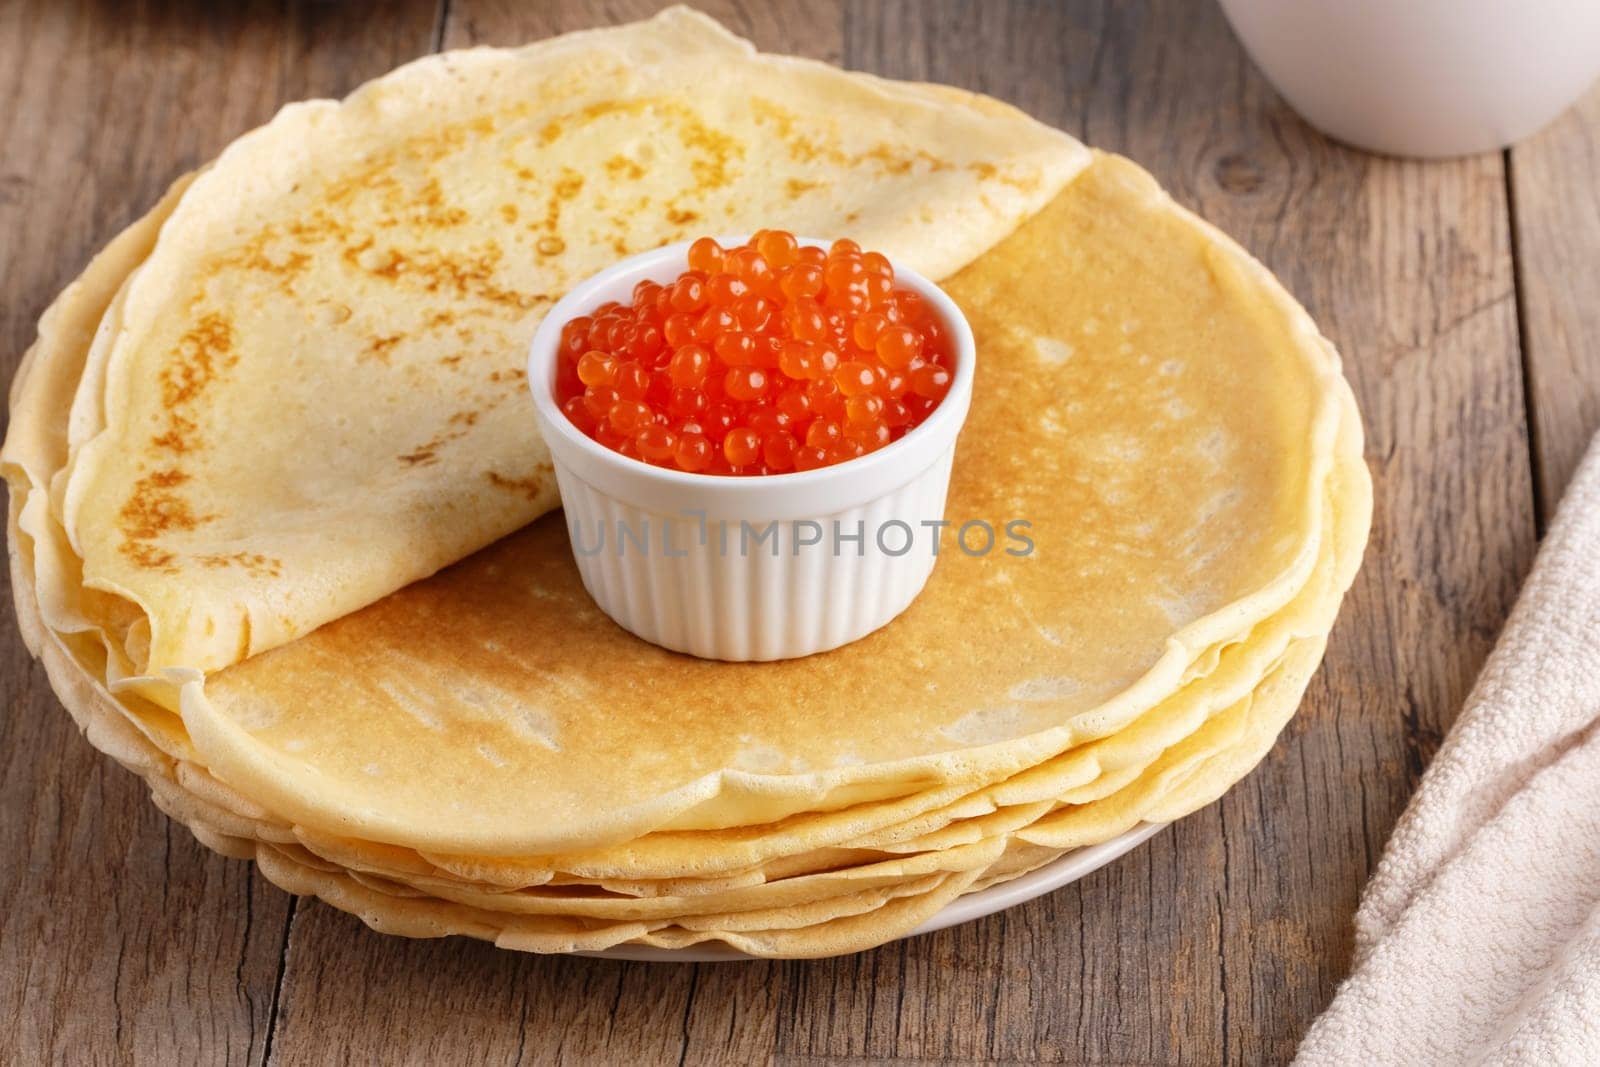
(1478,939)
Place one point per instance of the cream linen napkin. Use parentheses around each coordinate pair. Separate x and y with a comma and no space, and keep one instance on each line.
(1478,938)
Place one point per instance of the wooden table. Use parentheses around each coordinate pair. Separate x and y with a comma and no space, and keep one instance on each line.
(1459,292)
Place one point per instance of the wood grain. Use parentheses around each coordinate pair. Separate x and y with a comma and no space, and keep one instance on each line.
(1555,181)
(1407,268)
(121,939)
(813,28)
(1216,942)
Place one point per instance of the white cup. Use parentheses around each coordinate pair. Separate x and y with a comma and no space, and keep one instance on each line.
(1426,78)
(750,568)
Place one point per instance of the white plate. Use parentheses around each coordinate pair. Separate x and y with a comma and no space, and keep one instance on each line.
(1050,877)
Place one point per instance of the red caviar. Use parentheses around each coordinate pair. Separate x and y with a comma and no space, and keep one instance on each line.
(762,359)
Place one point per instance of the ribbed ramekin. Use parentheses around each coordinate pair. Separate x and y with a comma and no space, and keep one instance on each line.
(754,567)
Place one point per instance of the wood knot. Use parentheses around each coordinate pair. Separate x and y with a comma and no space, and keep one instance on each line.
(1239,175)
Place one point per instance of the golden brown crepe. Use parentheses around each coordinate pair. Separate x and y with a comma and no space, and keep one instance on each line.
(1156,408)
(312,394)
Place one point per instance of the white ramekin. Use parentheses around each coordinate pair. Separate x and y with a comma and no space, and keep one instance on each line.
(709,579)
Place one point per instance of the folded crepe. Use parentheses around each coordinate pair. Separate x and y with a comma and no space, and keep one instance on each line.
(311,392)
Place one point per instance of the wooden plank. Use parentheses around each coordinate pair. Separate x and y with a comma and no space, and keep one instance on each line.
(120,937)
(381,999)
(1242,914)
(1406,267)
(797,27)
(1555,183)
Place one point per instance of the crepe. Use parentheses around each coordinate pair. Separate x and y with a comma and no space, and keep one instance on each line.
(1183,782)
(312,392)
(1159,411)
(1078,776)
(809,925)
(675,863)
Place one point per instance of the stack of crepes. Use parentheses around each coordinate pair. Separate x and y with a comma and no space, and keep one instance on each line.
(274,481)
